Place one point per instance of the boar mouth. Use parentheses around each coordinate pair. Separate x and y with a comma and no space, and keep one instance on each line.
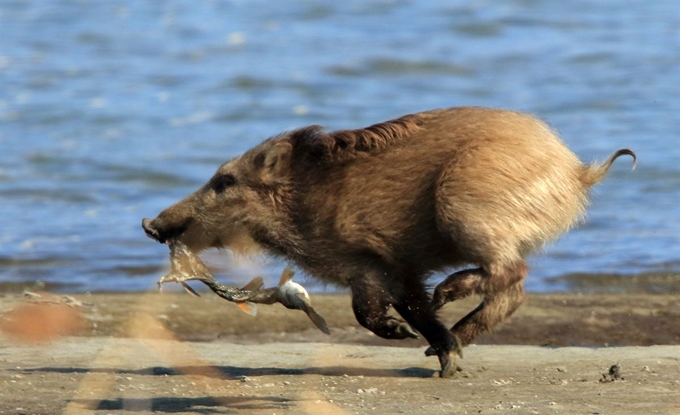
(161,236)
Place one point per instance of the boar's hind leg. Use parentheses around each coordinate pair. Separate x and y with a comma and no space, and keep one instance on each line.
(502,294)
(457,286)
(415,307)
(370,302)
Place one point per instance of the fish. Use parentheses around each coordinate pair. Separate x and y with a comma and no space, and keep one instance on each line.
(187,266)
(292,296)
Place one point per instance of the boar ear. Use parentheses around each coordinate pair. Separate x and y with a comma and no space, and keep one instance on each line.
(276,161)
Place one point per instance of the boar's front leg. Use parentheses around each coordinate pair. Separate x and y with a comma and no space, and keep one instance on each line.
(370,302)
(414,306)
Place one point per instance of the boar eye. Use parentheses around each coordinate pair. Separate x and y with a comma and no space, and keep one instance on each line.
(221,182)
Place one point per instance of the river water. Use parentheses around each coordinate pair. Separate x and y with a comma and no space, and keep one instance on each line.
(112,110)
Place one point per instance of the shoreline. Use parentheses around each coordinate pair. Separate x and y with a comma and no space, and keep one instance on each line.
(544,320)
(652,282)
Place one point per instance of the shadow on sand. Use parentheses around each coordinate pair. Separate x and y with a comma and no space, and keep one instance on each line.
(217,404)
(236,372)
(202,405)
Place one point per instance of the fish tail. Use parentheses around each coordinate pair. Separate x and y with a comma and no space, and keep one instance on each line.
(318,320)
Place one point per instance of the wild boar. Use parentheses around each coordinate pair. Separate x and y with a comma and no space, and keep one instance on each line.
(379,209)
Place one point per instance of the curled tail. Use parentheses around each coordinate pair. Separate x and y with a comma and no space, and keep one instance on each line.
(594,173)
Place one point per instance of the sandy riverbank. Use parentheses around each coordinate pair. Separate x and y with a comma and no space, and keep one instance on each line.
(172,353)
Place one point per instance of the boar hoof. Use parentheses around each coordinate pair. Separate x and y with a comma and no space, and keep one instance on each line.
(392,328)
(449,369)
(448,365)
(402,330)
(455,348)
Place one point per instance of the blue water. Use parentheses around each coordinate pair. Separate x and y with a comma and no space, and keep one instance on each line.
(112,110)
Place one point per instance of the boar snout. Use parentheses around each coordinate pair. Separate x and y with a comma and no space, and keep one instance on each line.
(162,231)
(150,231)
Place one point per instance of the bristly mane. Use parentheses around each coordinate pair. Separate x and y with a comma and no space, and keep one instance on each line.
(318,146)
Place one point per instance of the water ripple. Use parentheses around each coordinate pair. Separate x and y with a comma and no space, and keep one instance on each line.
(111,111)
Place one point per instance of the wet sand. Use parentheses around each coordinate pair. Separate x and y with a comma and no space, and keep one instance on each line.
(173,353)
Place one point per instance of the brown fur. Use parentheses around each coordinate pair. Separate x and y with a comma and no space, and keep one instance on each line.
(379,209)
(312,142)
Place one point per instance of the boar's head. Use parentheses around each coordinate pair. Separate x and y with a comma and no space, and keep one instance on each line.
(239,205)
